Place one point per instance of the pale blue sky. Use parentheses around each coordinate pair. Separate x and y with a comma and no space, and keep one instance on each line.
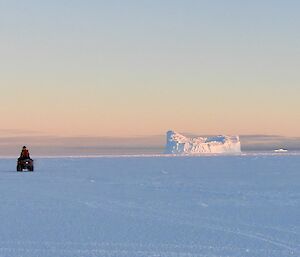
(143,67)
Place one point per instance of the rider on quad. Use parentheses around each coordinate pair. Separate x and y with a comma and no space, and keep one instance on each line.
(24,161)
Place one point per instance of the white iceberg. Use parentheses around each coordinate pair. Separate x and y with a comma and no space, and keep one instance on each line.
(280,150)
(179,144)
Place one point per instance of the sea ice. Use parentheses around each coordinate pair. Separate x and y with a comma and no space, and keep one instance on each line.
(171,206)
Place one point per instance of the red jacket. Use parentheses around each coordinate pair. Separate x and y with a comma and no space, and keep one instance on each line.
(25,154)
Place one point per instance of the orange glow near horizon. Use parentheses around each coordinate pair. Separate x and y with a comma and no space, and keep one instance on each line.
(185,67)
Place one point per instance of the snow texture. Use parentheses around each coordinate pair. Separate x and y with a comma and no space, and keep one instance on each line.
(179,144)
(168,206)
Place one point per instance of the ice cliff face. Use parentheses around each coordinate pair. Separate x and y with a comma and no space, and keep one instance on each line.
(179,144)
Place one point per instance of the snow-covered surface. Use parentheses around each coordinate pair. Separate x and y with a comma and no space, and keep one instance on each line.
(179,144)
(211,206)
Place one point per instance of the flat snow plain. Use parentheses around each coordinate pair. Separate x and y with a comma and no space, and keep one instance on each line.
(214,206)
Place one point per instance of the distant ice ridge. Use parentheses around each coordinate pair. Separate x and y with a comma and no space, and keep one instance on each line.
(179,144)
(280,150)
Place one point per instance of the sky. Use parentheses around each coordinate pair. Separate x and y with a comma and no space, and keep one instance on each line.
(141,67)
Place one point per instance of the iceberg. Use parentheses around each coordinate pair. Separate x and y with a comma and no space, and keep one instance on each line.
(179,144)
(280,150)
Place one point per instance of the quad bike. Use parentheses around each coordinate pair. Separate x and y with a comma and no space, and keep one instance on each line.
(25,164)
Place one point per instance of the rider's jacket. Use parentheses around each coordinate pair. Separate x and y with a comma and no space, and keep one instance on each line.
(24,154)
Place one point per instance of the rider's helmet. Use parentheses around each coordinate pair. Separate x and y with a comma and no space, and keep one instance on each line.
(24,147)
